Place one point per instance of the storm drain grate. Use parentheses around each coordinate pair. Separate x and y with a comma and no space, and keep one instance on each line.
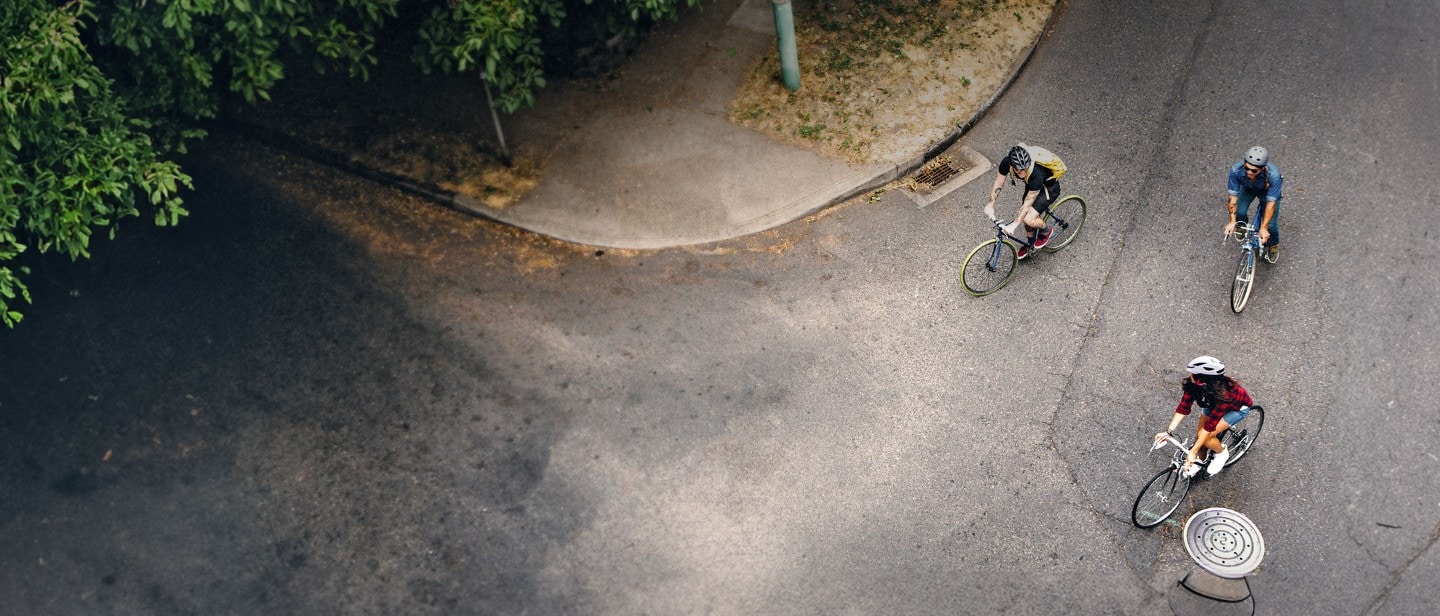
(943,174)
(938,172)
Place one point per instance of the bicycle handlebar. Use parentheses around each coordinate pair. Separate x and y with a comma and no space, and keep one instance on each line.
(1168,438)
(1000,224)
(1189,469)
(1240,232)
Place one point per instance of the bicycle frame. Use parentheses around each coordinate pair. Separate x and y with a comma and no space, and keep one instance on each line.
(1249,232)
(990,265)
(1251,249)
(1158,501)
(1166,490)
(1001,234)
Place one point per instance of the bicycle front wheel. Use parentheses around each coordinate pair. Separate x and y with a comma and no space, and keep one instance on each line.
(1244,281)
(1065,217)
(1242,437)
(988,267)
(1160,498)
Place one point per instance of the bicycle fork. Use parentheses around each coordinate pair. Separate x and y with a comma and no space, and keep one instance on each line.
(1249,273)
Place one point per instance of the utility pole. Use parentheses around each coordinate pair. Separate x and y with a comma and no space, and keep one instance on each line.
(785,31)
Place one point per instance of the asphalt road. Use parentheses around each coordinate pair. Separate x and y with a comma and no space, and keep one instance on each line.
(320,397)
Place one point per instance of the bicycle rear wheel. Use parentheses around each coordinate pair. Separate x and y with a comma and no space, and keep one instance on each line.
(1244,281)
(1242,437)
(1065,217)
(1160,498)
(988,267)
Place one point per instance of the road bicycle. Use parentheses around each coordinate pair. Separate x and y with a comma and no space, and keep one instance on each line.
(1248,234)
(991,264)
(1163,494)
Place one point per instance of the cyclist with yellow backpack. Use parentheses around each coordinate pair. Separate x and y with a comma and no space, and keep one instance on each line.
(1039,169)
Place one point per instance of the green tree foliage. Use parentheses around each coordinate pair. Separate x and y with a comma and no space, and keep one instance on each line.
(97,95)
(176,58)
(502,39)
(71,159)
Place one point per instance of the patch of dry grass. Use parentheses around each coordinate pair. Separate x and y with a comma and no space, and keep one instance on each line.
(886,78)
(455,163)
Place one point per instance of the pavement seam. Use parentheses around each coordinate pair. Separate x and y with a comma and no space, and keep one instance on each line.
(1384,596)
(1171,106)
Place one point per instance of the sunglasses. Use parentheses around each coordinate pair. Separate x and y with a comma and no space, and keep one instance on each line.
(1252,170)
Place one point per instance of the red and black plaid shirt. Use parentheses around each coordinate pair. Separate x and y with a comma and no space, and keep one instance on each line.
(1230,401)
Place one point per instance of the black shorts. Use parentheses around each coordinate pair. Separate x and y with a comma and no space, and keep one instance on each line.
(1050,191)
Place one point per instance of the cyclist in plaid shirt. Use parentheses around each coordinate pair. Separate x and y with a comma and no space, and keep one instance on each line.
(1222,400)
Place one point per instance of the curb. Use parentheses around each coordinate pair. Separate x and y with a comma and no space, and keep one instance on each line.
(469,205)
(908,166)
(280,141)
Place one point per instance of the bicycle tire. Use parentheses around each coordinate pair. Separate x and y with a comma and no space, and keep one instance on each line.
(978,277)
(1071,209)
(1160,497)
(1239,444)
(1244,281)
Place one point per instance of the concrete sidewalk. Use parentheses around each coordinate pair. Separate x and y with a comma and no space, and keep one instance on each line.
(657,164)
(644,157)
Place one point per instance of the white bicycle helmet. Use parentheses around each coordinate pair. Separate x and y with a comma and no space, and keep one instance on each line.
(1206,365)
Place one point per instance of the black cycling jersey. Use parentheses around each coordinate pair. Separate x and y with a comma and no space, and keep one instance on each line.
(1039,175)
(1041,180)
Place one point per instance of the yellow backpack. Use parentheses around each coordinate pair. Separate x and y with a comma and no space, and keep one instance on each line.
(1045,158)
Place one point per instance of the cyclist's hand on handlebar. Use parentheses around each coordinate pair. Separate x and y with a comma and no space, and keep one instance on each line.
(1230,229)
(1160,440)
(990,210)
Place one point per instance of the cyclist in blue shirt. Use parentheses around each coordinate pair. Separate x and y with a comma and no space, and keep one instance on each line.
(1257,178)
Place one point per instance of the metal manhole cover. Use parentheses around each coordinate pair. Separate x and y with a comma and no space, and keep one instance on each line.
(1224,542)
(938,172)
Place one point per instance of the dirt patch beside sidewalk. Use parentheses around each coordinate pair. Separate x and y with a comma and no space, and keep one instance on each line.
(883,80)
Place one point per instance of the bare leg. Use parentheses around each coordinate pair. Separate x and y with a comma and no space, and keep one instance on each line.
(1034,220)
(1213,443)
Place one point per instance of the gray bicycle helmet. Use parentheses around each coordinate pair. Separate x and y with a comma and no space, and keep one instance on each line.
(1257,156)
(1205,365)
(1019,159)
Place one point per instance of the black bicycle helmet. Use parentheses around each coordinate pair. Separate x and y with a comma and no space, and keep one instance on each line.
(1019,159)
(1257,156)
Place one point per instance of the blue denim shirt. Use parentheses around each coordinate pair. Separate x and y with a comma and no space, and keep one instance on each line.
(1239,181)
